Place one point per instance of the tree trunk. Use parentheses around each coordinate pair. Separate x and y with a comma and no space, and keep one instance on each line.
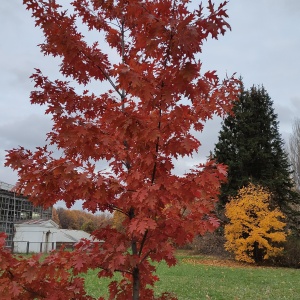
(136,284)
(258,253)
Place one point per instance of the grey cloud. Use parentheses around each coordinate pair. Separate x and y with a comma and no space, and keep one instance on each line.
(28,132)
(291,6)
(287,111)
(296,104)
(7,175)
(208,139)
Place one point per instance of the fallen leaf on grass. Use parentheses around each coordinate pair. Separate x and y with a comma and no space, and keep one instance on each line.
(216,262)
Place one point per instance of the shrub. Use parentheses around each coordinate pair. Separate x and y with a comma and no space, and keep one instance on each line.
(290,255)
(255,232)
(212,243)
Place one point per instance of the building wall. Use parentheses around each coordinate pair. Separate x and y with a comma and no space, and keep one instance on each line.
(34,238)
(15,208)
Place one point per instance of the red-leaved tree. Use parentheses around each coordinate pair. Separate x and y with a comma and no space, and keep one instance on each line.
(158,96)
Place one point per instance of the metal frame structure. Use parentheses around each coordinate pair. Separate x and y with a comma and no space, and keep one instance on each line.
(16,208)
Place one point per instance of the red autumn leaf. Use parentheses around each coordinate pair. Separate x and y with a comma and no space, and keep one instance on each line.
(15,289)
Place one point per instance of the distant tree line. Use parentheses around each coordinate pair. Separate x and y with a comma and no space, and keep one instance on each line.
(80,220)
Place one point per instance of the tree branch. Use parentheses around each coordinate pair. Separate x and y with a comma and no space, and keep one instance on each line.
(143,242)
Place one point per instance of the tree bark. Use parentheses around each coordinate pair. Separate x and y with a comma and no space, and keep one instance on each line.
(136,284)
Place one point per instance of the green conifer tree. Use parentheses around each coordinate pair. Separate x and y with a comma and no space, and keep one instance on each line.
(252,148)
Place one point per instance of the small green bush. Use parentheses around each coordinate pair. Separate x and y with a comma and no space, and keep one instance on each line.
(210,244)
(291,254)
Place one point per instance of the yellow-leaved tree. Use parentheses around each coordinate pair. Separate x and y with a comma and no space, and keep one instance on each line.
(254,232)
(117,221)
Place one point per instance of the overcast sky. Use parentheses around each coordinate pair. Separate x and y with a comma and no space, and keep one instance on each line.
(263,47)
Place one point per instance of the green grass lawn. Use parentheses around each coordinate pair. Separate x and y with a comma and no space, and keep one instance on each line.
(197,281)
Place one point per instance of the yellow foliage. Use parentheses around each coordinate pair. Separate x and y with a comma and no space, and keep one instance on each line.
(254,231)
(118,219)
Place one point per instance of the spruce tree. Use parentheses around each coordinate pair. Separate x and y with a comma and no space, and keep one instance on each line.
(252,148)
